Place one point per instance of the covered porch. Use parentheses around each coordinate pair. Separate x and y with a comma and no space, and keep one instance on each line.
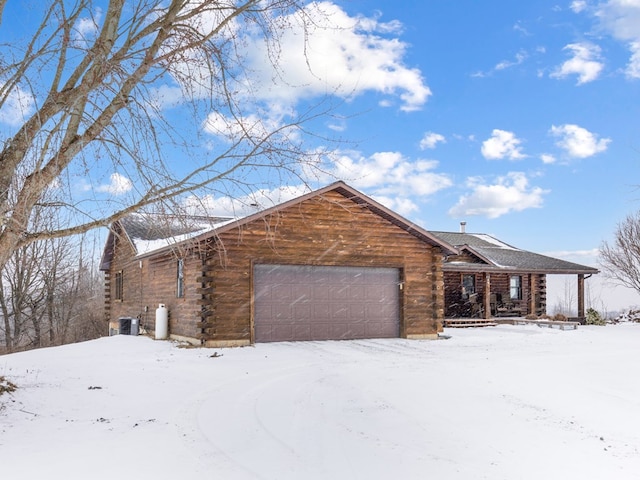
(488,279)
(491,297)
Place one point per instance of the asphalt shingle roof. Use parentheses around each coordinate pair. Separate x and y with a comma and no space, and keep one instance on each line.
(500,255)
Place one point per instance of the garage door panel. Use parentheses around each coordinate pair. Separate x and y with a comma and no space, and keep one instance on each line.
(317,303)
(319,331)
(301,331)
(338,292)
(302,310)
(378,329)
(357,310)
(283,292)
(281,311)
(320,291)
(301,291)
(378,311)
(357,293)
(320,311)
(263,331)
(338,311)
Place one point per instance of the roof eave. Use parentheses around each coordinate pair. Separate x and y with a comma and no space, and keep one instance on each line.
(344,190)
(479,267)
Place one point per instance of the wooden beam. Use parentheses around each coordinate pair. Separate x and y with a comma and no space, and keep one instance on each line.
(581,313)
(486,277)
(533,291)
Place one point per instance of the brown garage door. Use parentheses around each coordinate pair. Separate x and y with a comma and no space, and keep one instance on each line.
(295,302)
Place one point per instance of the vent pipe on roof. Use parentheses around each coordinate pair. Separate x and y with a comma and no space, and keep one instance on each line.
(463,226)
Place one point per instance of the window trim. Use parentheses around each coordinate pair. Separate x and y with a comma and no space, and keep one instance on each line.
(118,287)
(180,278)
(466,293)
(515,287)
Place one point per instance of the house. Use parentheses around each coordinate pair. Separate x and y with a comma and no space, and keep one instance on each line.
(489,278)
(331,264)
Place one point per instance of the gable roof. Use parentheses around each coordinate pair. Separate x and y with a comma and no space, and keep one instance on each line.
(147,232)
(499,256)
(149,236)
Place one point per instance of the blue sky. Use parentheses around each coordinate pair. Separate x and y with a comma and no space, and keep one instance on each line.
(531,122)
(520,118)
(532,118)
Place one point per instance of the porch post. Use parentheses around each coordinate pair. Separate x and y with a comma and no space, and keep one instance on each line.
(486,277)
(532,294)
(581,295)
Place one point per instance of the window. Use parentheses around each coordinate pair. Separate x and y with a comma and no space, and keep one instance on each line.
(119,286)
(515,287)
(468,285)
(180,278)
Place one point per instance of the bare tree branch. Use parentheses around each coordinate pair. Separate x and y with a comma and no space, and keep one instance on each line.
(90,95)
(621,260)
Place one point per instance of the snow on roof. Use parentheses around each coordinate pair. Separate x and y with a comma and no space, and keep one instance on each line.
(492,240)
(502,255)
(151,232)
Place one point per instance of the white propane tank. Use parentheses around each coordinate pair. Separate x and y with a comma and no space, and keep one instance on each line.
(162,322)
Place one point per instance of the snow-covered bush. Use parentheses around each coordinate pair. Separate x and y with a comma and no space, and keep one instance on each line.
(6,386)
(594,317)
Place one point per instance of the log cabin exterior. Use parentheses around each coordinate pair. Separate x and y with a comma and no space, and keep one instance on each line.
(332,264)
(488,278)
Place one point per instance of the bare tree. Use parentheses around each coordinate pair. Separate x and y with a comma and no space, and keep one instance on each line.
(21,298)
(565,305)
(85,88)
(50,294)
(620,260)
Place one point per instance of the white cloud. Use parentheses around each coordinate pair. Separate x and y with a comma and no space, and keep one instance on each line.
(502,144)
(165,96)
(547,158)
(578,6)
(337,124)
(17,106)
(577,256)
(621,18)
(242,205)
(510,193)
(520,57)
(87,27)
(344,56)
(389,172)
(388,177)
(118,185)
(519,28)
(402,205)
(430,140)
(319,52)
(255,125)
(329,53)
(579,142)
(633,67)
(585,63)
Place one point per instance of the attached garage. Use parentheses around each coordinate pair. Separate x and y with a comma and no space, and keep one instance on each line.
(303,302)
(330,264)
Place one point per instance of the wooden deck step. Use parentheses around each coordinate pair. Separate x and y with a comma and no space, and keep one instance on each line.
(467,323)
(562,325)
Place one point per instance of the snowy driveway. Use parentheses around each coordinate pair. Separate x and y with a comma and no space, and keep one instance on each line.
(497,403)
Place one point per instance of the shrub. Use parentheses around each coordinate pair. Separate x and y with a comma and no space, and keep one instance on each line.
(6,386)
(594,318)
(559,317)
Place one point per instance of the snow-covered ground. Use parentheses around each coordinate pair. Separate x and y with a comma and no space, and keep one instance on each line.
(497,403)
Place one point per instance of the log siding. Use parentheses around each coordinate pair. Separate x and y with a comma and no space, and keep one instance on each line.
(323,230)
